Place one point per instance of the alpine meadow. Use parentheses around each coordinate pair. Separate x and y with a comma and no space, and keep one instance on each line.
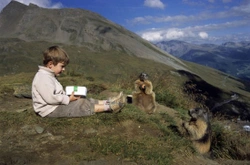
(107,58)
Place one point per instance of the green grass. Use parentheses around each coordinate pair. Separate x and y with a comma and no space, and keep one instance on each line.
(145,139)
(229,144)
(130,135)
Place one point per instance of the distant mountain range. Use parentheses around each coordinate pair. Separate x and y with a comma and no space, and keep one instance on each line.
(230,57)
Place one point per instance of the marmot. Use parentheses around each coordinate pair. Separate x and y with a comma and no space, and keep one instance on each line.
(143,96)
(199,129)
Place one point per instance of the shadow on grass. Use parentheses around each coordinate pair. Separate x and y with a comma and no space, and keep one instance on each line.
(210,96)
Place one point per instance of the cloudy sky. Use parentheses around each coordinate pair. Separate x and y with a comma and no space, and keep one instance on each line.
(196,21)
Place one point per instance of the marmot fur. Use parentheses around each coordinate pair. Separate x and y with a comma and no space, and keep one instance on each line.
(143,96)
(199,129)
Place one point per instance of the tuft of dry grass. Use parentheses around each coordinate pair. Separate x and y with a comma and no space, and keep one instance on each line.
(229,143)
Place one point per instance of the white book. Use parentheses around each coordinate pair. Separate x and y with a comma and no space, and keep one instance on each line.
(78,90)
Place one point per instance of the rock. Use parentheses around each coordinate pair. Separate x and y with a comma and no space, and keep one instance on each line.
(21,110)
(22,91)
(246,128)
(90,131)
(39,129)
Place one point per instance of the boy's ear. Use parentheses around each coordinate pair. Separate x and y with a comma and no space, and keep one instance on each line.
(49,64)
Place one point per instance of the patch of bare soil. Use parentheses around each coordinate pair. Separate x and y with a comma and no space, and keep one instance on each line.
(15,104)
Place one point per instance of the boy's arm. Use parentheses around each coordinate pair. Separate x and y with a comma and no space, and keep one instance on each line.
(51,93)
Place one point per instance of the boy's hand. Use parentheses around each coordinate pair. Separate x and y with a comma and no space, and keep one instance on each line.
(72,97)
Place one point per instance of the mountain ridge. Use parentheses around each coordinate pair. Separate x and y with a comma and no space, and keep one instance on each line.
(230,57)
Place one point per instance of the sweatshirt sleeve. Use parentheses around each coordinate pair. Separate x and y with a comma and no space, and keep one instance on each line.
(51,91)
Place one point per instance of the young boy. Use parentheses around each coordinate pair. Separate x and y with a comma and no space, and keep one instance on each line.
(49,98)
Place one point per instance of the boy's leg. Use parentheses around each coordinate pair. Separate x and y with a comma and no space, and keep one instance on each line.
(78,108)
(111,99)
(88,107)
(117,105)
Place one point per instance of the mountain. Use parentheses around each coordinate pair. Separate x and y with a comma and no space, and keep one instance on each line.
(230,57)
(77,27)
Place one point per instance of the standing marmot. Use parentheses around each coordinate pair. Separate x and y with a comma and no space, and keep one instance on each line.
(143,96)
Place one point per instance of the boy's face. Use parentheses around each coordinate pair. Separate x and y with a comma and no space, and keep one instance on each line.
(58,68)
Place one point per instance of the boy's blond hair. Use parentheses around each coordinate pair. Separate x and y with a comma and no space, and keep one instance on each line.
(56,55)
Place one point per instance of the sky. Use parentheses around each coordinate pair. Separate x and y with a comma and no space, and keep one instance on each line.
(193,21)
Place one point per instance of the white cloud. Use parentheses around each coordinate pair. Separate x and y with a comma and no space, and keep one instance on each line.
(222,26)
(203,35)
(40,3)
(226,1)
(174,34)
(139,20)
(241,11)
(182,27)
(156,35)
(193,3)
(197,34)
(151,19)
(153,36)
(154,4)
(181,19)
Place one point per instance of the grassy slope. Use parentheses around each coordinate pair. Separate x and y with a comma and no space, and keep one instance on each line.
(128,137)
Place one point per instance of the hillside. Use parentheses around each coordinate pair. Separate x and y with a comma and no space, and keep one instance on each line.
(77,27)
(128,137)
(106,58)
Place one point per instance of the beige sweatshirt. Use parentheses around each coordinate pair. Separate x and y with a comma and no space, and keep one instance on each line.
(47,92)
